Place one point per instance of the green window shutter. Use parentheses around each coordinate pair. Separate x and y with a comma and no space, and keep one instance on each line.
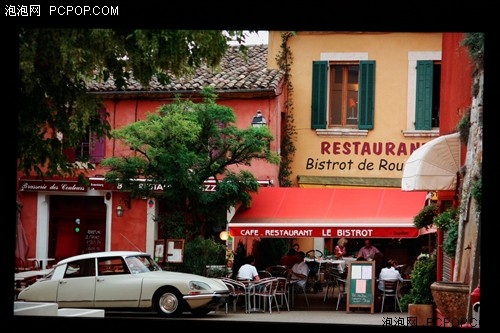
(366,94)
(423,103)
(319,94)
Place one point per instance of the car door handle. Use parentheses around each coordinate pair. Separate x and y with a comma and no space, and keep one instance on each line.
(100,279)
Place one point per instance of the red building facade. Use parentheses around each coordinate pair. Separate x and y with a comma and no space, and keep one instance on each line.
(61,217)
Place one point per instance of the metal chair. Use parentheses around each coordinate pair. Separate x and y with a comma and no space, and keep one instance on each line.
(342,286)
(265,289)
(391,289)
(282,291)
(277,271)
(264,274)
(236,289)
(302,287)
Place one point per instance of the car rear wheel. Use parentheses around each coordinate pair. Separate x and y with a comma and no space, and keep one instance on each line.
(168,302)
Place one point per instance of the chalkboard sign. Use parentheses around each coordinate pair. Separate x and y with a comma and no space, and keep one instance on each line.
(361,285)
(94,240)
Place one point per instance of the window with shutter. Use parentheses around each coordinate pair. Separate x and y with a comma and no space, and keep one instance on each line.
(343,94)
(427,95)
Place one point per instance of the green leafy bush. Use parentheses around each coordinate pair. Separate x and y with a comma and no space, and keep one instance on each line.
(426,216)
(446,219)
(422,276)
(200,252)
(476,192)
(450,240)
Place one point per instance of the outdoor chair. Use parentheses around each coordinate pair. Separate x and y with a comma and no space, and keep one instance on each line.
(266,290)
(391,289)
(236,289)
(277,270)
(295,286)
(342,286)
(282,291)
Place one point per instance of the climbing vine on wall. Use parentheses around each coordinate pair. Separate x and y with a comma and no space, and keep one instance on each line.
(284,60)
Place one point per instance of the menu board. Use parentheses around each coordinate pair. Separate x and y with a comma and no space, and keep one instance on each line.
(175,250)
(361,285)
(93,240)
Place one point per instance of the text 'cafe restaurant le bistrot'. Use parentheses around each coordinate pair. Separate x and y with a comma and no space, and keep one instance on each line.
(317,217)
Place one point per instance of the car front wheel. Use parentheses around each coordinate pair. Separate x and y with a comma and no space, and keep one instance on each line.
(168,302)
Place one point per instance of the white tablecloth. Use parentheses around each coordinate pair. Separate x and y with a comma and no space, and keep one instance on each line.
(28,274)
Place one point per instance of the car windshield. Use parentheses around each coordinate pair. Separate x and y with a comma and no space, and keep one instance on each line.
(142,264)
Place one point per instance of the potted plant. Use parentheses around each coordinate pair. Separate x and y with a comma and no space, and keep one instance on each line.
(450,297)
(425,218)
(419,301)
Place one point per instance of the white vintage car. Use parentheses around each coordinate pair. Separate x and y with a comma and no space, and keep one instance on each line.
(126,280)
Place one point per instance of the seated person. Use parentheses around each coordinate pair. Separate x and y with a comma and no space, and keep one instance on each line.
(248,271)
(340,250)
(368,251)
(389,272)
(299,271)
(290,259)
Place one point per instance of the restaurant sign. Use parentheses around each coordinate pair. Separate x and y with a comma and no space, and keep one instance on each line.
(63,185)
(291,231)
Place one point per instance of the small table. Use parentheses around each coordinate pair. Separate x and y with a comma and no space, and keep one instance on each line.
(41,262)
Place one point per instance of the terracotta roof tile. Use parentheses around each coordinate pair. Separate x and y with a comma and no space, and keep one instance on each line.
(235,72)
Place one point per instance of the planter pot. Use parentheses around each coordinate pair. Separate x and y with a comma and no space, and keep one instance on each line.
(424,314)
(451,299)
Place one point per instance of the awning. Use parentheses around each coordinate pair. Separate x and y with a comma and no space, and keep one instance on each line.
(433,166)
(292,212)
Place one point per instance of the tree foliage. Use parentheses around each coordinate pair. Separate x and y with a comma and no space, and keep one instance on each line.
(56,64)
(179,148)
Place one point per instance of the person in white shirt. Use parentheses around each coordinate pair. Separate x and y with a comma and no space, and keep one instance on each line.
(248,272)
(389,272)
(300,270)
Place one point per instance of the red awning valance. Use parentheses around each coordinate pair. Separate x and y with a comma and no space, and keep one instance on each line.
(329,212)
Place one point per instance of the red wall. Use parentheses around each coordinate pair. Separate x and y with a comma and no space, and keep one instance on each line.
(456,82)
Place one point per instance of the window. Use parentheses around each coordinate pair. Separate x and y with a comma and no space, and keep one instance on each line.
(427,94)
(424,78)
(91,149)
(112,266)
(343,94)
(80,268)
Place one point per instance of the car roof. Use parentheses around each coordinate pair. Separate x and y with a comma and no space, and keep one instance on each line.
(100,255)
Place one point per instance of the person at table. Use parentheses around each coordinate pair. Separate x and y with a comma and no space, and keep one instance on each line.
(340,249)
(300,271)
(248,271)
(290,258)
(368,251)
(389,272)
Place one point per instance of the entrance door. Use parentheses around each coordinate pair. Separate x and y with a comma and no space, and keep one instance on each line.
(77,225)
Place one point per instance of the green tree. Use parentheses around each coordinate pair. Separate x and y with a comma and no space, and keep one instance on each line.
(179,148)
(55,66)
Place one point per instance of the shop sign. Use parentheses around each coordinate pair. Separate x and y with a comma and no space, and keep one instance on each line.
(51,186)
(326,232)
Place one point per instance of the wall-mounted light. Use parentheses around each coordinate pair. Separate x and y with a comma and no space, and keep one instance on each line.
(120,209)
(259,120)
(224,235)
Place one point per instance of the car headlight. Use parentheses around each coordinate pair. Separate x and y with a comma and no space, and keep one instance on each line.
(195,286)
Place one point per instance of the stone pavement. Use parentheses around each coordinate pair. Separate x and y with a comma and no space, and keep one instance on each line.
(319,312)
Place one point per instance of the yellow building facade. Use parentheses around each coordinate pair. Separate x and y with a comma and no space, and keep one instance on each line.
(362,102)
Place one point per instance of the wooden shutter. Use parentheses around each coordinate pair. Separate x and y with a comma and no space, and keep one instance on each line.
(319,94)
(366,94)
(423,105)
(97,146)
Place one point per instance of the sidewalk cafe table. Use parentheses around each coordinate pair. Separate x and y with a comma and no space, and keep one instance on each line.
(41,262)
